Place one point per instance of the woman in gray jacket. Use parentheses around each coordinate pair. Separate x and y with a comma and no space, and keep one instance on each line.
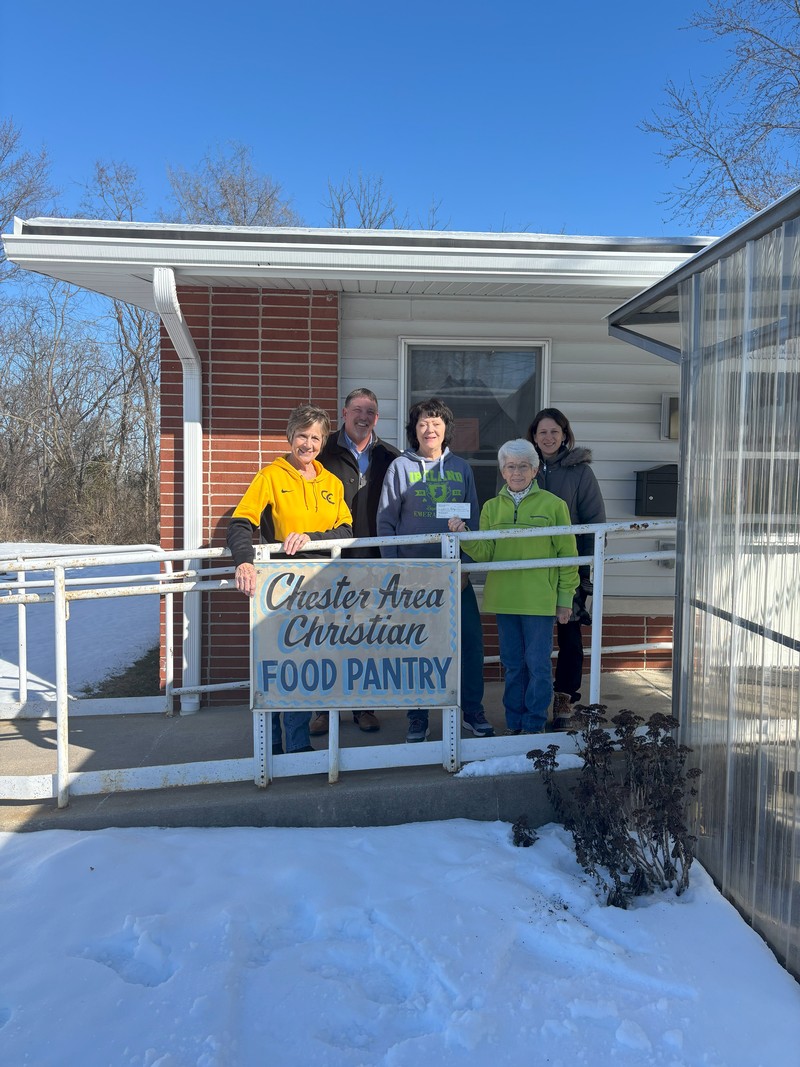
(425,475)
(565,471)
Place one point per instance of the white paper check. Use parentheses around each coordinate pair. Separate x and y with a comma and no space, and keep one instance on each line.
(453,511)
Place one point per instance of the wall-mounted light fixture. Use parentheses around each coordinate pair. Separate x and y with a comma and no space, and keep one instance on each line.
(670,417)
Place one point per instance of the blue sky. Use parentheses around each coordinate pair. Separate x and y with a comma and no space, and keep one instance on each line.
(515,115)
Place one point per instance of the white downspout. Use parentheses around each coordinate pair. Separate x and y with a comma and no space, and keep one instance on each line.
(166,299)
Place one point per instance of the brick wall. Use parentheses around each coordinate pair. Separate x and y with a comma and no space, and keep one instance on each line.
(262,353)
(617,630)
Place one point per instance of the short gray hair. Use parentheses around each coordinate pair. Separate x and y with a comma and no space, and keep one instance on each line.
(519,449)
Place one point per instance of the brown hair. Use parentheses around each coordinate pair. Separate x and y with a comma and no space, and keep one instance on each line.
(434,409)
(557,417)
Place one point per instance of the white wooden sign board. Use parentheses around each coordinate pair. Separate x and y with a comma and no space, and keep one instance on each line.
(331,634)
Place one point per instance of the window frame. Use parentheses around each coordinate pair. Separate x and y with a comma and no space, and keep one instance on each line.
(405,343)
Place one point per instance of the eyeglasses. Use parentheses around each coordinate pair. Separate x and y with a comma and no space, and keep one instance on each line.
(517,467)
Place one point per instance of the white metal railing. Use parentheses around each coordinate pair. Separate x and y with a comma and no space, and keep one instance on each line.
(24,589)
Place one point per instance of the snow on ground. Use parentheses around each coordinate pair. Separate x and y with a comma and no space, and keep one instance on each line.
(407,946)
(519,764)
(103,636)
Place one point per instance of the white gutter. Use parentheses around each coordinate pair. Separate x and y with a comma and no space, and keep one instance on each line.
(124,254)
(166,300)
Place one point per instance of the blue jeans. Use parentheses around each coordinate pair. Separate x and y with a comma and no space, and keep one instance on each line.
(525,645)
(471,659)
(295,723)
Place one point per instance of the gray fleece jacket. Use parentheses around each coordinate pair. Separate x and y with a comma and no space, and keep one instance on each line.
(568,475)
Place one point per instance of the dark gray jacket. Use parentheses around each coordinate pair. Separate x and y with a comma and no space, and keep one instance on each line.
(569,476)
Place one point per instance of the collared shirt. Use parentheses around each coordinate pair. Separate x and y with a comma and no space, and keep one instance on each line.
(520,496)
(362,457)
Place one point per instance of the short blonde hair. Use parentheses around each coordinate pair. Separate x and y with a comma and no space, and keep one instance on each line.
(306,415)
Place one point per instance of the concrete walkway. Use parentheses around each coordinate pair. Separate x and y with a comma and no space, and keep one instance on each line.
(378,797)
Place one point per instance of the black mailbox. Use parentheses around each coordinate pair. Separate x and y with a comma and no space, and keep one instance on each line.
(657,491)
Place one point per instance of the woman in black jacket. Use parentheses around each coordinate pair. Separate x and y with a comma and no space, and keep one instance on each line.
(565,471)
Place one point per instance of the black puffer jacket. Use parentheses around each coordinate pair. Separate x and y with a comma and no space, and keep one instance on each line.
(568,474)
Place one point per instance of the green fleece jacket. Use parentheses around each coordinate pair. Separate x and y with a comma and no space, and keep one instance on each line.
(520,592)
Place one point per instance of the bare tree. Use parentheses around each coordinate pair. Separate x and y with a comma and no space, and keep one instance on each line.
(60,478)
(432,221)
(132,342)
(112,192)
(25,186)
(227,189)
(362,202)
(739,132)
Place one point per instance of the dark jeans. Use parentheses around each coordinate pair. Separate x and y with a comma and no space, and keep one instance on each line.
(471,659)
(569,664)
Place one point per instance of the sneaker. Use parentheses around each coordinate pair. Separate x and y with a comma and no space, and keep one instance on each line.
(320,724)
(367,721)
(479,726)
(417,730)
(277,748)
(306,748)
(513,733)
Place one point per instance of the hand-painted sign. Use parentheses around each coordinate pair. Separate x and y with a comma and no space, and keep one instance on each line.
(337,633)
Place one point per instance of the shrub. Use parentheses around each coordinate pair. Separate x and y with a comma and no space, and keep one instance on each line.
(627,815)
(522,833)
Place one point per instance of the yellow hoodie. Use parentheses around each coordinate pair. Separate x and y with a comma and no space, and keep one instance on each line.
(280,501)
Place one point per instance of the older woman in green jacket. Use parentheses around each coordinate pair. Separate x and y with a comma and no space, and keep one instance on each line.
(526,602)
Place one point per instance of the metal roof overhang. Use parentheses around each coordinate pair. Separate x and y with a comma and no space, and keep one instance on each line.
(118,259)
(658,305)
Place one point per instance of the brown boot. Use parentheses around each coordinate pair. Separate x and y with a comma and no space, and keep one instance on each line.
(367,721)
(320,724)
(562,711)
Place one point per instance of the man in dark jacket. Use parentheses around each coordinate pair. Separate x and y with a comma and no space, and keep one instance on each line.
(359,459)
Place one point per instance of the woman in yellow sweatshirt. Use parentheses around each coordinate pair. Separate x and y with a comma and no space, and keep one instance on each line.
(294,500)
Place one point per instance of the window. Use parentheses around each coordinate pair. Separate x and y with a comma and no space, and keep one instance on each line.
(494,393)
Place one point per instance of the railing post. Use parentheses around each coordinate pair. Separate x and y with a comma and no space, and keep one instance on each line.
(169,643)
(262,748)
(451,717)
(190,642)
(22,642)
(598,575)
(62,692)
(333,746)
